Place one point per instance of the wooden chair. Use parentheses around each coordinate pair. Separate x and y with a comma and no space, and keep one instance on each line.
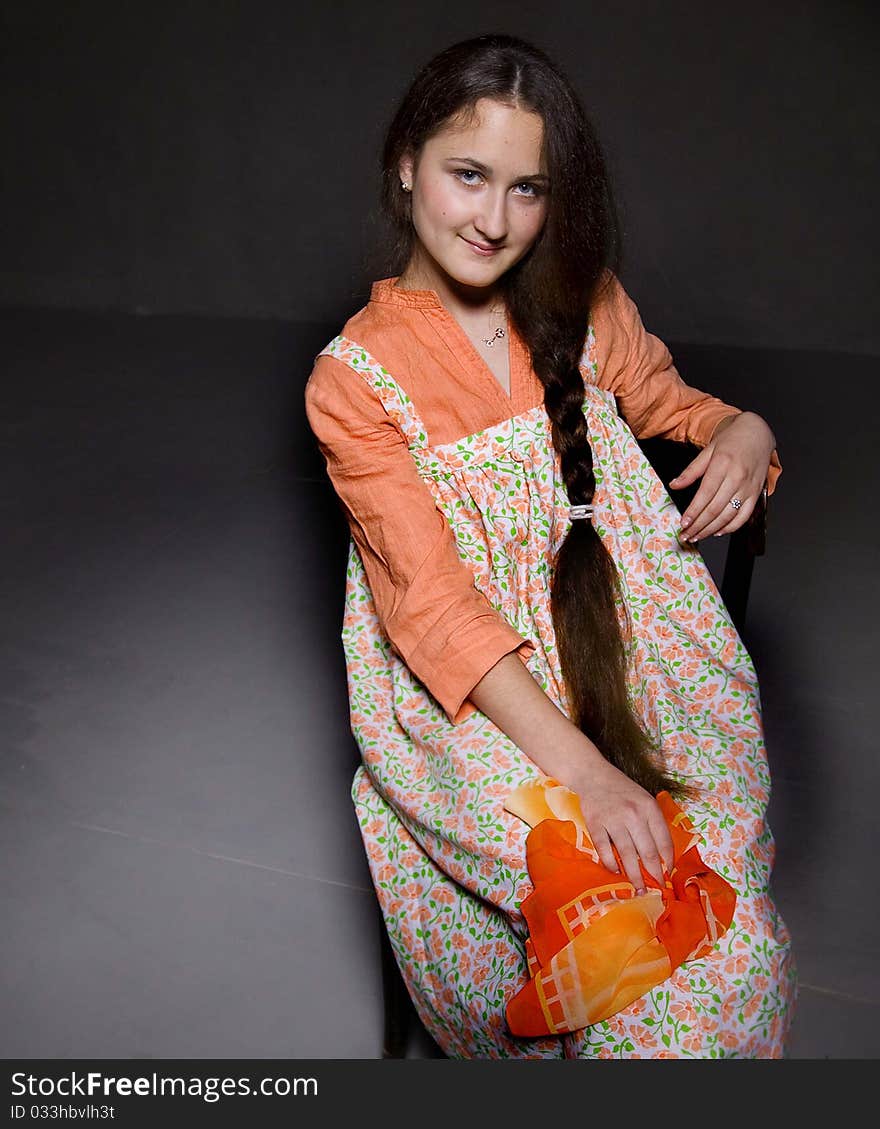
(668,459)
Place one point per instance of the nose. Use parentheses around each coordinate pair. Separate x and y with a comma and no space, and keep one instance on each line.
(491,219)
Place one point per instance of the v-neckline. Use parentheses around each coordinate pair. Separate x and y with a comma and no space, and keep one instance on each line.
(507,398)
(518,363)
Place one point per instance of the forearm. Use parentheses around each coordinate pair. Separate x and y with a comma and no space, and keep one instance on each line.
(619,814)
(510,697)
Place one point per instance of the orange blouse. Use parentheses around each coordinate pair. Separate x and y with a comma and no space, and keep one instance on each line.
(442,627)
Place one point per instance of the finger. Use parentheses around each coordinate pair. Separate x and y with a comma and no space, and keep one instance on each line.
(643,840)
(629,857)
(696,516)
(738,518)
(730,517)
(602,843)
(662,837)
(692,471)
(719,489)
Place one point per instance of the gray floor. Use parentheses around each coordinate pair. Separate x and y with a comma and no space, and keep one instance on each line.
(183,876)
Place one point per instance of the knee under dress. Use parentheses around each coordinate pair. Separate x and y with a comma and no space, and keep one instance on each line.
(456,507)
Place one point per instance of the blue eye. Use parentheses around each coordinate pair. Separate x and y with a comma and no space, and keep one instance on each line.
(530,189)
(462,173)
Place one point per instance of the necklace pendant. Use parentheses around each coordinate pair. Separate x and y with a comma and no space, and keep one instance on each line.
(496,336)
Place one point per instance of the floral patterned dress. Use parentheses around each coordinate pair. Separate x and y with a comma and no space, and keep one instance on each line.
(447,860)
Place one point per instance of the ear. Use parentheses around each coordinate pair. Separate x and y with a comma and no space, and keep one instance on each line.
(405,168)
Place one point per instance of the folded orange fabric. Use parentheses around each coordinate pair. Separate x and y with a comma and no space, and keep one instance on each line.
(594,945)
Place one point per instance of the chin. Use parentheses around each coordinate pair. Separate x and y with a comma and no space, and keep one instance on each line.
(478,282)
(477,274)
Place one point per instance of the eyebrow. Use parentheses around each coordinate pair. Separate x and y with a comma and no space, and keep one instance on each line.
(480,167)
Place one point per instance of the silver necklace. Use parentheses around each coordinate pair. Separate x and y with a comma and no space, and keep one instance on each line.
(496,336)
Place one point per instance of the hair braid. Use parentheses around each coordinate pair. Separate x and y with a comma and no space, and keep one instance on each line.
(589,613)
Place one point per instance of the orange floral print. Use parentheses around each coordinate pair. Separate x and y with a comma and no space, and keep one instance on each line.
(429,794)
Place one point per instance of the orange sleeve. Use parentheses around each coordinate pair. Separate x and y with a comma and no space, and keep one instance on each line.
(637,367)
(443,628)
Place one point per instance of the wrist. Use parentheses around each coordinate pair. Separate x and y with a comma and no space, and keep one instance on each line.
(750,419)
(723,424)
(573,761)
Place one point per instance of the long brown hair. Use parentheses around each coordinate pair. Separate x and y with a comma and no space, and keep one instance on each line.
(549,294)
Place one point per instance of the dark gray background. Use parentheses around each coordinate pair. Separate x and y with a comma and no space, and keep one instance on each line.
(220,158)
(188,210)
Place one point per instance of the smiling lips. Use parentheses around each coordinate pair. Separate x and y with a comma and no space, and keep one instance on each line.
(481,248)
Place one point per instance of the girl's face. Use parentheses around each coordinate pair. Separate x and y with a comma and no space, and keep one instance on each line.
(479,195)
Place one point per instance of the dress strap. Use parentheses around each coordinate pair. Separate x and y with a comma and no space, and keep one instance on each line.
(396,402)
(589,362)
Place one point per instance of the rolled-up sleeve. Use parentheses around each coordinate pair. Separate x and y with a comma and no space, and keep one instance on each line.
(638,368)
(443,628)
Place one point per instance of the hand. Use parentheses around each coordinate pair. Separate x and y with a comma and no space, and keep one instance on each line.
(734,464)
(619,812)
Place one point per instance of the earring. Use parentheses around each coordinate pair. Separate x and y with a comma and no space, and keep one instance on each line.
(405,186)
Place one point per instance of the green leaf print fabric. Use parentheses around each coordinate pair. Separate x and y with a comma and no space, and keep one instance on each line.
(447,861)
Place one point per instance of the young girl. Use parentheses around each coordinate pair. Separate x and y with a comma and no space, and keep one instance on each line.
(535,648)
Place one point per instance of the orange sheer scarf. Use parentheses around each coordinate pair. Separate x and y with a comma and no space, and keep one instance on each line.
(594,945)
